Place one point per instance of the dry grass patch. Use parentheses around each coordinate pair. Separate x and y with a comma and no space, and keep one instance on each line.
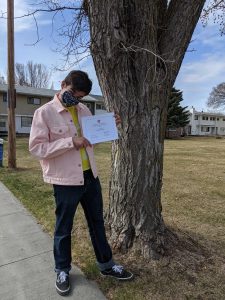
(193,207)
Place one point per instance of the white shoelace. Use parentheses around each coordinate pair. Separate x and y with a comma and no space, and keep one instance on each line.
(117,269)
(62,277)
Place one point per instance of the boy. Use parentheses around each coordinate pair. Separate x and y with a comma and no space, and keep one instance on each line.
(67,161)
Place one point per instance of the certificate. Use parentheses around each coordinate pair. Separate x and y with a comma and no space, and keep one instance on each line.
(99,128)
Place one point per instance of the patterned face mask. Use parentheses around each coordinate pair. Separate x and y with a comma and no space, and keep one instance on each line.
(69,100)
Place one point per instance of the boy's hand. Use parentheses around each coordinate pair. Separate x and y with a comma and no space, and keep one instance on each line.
(118,119)
(80,142)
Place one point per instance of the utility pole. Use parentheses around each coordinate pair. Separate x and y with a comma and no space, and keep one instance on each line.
(11,87)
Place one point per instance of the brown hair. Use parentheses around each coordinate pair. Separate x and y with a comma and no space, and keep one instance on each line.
(79,81)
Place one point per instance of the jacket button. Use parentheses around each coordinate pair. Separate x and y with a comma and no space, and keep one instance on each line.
(71,120)
(79,165)
(60,130)
(75,134)
(81,182)
(69,144)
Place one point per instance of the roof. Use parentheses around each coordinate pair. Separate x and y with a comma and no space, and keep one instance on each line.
(26,90)
(98,97)
(208,113)
(31,91)
(212,114)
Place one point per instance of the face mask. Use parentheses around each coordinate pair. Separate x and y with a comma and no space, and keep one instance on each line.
(68,99)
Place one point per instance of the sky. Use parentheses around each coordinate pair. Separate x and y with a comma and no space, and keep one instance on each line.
(202,69)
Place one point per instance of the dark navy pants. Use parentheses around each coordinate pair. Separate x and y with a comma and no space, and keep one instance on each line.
(67,199)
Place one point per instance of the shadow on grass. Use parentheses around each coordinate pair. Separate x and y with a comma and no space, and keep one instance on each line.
(192,268)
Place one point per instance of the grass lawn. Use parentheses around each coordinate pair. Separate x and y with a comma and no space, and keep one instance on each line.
(193,207)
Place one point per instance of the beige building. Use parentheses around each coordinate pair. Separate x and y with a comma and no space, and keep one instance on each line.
(28,99)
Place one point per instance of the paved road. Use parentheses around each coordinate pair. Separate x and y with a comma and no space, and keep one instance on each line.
(26,258)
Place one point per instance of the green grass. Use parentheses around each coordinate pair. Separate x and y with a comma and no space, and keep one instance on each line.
(193,201)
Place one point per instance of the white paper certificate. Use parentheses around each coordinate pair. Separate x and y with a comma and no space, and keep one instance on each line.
(99,128)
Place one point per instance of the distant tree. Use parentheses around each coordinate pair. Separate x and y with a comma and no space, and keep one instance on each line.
(216,10)
(21,74)
(32,74)
(217,97)
(178,116)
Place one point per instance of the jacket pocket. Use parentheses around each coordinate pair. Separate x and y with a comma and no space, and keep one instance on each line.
(58,132)
(48,166)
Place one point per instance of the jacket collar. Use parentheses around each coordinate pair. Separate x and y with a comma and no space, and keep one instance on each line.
(60,107)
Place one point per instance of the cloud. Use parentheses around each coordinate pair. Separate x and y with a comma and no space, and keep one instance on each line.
(208,68)
(21,8)
(197,78)
(208,36)
(204,68)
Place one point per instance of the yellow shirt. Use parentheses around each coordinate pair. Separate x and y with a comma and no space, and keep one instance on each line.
(83,153)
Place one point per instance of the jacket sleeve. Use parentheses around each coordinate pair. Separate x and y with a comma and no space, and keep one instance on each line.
(39,144)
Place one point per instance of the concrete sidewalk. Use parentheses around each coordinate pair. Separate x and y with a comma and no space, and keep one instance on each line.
(26,258)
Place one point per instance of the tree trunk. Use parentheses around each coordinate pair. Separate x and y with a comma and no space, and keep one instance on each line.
(135,201)
(135,81)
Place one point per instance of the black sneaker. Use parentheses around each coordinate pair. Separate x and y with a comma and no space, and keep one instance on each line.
(118,272)
(62,283)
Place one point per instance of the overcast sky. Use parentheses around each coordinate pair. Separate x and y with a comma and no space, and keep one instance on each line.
(201,70)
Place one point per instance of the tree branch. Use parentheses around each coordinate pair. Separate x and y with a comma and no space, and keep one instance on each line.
(72,36)
(37,31)
(50,10)
(216,8)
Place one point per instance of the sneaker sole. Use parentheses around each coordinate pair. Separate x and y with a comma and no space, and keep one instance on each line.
(121,279)
(62,293)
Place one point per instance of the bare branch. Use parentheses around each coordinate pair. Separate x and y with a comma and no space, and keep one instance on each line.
(50,10)
(216,9)
(135,48)
(73,39)
(37,32)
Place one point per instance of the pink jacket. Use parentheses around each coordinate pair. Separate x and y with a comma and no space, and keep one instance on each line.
(51,141)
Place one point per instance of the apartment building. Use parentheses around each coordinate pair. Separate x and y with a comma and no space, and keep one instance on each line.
(206,123)
(28,99)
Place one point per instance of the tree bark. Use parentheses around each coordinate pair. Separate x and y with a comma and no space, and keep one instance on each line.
(130,52)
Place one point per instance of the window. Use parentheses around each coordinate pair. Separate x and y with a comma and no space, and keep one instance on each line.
(32,100)
(26,121)
(196,117)
(2,124)
(88,105)
(205,129)
(4,96)
(218,119)
(205,118)
(100,106)
(223,119)
(212,118)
